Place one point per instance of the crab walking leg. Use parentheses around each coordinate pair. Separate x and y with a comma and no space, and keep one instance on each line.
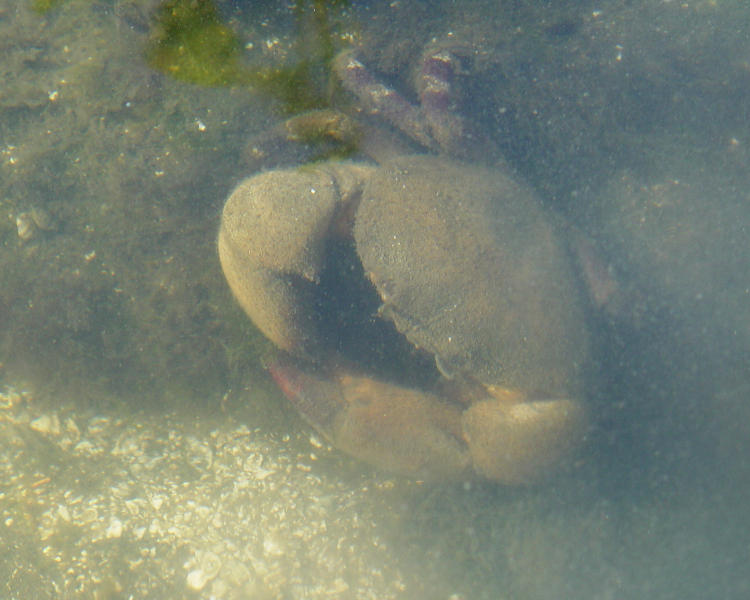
(435,125)
(454,134)
(393,428)
(436,86)
(381,100)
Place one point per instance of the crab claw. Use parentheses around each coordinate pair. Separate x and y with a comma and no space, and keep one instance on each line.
(503,438)
(394,428)
(521,442)
(272,246)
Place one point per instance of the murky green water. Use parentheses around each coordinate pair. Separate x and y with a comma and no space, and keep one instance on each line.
(146,452)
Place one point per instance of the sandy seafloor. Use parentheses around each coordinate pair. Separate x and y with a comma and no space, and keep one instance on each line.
(144,452)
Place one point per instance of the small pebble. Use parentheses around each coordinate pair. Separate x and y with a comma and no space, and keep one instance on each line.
(114,530)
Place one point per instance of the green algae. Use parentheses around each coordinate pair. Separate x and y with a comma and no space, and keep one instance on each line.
(191,42)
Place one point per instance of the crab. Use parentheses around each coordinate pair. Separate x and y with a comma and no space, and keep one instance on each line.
(467,267)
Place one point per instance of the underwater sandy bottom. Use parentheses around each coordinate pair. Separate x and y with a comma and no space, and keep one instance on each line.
(110,505)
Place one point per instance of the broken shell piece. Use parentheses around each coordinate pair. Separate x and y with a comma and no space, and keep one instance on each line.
(29,223)
(25,226)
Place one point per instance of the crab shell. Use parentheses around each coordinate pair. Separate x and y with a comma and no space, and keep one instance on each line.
(469,267)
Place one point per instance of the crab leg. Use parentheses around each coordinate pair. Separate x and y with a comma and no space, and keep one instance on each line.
(434,125)
(382,100)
